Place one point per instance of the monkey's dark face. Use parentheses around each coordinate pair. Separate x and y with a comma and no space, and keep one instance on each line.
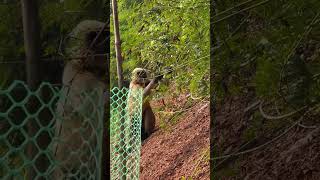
(142,78)
(97,42)
(142,74)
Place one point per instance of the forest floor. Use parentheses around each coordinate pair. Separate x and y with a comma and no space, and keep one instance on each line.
(180,148)
(295,155)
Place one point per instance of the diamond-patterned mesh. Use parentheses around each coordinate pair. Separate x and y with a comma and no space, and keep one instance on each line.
(125,135)
(45,134)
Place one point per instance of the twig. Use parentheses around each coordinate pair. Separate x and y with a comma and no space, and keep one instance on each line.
(294,47)
(240,4)
(269,142)
(245,9)
(231,35)
(261,146)
(195,98)
(253,105)
(306,127)
(240,148)
(278,117)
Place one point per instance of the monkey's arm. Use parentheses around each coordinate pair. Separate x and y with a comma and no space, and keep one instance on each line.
(147,90)
(151,85)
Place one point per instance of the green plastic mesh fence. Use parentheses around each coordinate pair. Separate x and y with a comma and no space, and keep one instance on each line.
(125,134)
(50,133)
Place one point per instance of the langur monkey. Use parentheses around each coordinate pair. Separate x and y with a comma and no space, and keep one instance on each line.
(77,119)
(140,81)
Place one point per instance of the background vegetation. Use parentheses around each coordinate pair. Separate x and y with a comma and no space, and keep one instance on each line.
(161,33)
(57,20)
(259,47)
(265,58)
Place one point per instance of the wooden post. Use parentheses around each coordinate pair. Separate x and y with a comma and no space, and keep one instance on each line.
(212,102)
(31,30)
(32,51)
(117,42)
(105,162)
(123,169)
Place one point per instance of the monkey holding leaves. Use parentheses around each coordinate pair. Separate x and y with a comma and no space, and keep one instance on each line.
(84,82)
(140,81)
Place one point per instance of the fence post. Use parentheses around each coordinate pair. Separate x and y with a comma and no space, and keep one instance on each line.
(31,30)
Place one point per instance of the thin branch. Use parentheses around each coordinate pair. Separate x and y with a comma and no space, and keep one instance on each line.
(263,145)
(238,5)
(245,9)
(239,149)
(294,47)
(266,116)
(232,34)
(307,127)
(253,105)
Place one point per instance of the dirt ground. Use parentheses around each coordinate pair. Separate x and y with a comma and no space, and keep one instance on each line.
(295,155)
(181,151)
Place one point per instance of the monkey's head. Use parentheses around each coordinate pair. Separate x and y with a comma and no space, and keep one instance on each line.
(89,40)
(140,76)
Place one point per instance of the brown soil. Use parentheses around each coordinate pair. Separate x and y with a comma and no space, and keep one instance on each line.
(294,156)
(171,154)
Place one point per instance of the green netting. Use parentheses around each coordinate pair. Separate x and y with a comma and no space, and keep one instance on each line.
(125,133)
(50,133)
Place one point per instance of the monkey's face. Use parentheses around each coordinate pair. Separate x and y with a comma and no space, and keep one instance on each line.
(140,76)
(96,42)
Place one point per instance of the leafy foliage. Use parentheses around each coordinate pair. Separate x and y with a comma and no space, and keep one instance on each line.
(162,33)
(268,47)
(11,38)
(56,19)
(269,53)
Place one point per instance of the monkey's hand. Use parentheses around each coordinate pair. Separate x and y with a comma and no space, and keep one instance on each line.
(151,85)
(158,78)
